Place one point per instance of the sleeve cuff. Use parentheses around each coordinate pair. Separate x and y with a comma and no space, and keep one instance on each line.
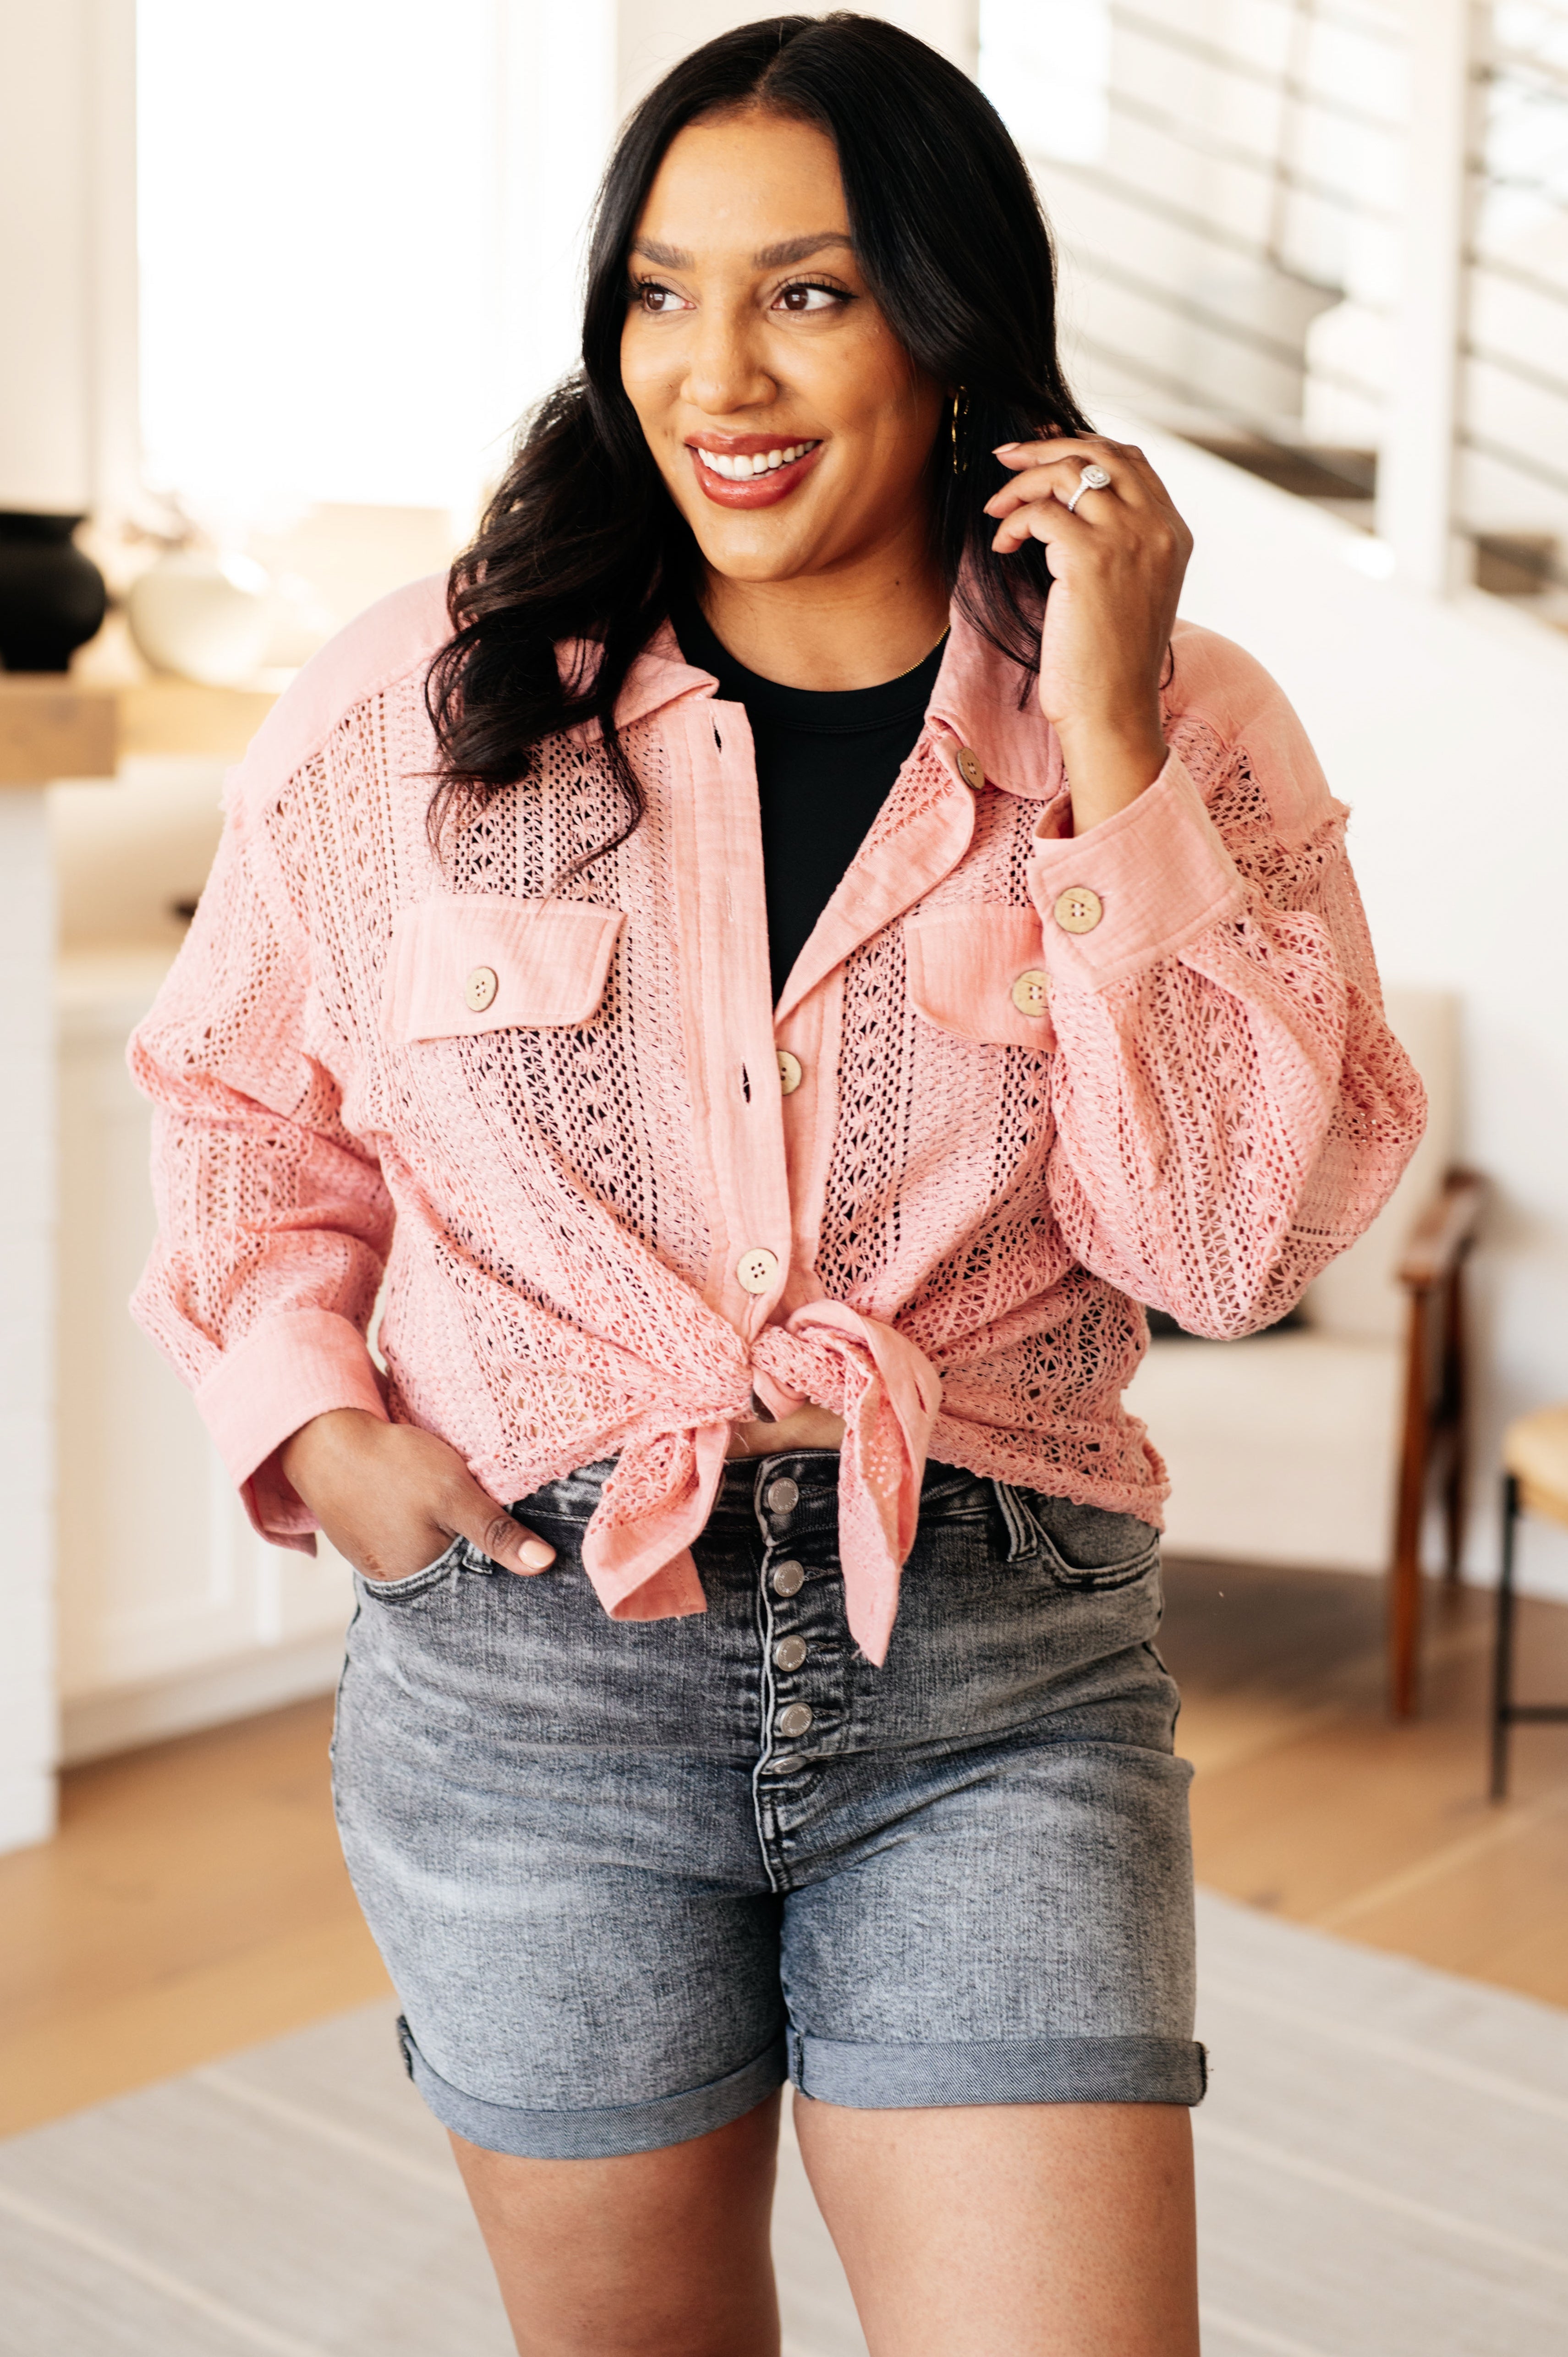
(1134,889)
(286,1370)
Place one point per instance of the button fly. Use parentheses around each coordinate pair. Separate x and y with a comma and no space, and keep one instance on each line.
(757,1268)
(796,1720)
(782,1497)
(480,989)
(789,1652)
(788,1578)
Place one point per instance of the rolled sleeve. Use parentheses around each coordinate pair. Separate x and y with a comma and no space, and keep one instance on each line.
(1136,887)
(286,1370)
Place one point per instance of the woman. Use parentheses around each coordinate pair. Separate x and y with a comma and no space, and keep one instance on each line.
(738,1291)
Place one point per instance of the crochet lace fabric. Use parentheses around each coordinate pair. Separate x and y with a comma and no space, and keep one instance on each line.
(1206,1134)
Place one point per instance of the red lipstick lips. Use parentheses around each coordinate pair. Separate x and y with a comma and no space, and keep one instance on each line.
(769,485)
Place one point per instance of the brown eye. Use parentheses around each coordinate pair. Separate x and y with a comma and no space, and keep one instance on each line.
(800,299)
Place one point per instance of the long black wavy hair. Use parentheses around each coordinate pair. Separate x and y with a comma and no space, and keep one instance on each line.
(582,540)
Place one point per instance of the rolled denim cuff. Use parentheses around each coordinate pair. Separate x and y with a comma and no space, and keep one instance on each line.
(601,2133)
(999,2071)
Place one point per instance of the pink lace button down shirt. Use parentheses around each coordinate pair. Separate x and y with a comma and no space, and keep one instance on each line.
(1041,1079)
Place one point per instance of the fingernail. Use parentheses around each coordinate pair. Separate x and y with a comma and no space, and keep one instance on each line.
(1002,448)
(537,1553)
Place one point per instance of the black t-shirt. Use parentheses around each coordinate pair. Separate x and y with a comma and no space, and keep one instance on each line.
(825,762)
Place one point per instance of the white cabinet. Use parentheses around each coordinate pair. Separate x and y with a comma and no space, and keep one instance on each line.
(173,1614)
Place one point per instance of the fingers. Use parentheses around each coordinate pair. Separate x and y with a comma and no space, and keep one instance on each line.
(472,1514)
(1043,519)
(1062,479)
(1122,460)
(1133,478)
(1047,499)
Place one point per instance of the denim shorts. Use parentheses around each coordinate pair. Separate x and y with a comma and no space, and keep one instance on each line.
(628,1876)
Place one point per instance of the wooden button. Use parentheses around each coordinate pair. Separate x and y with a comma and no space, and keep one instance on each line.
(480,989)
(970,769)
(1078,909)
(789,1072)
(1031,991)
(757,1268)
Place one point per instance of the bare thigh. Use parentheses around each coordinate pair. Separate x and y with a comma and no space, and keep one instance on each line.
(1044,2230)
(650,2254)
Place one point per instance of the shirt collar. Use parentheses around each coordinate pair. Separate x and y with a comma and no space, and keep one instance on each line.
(976,703)
(990,704)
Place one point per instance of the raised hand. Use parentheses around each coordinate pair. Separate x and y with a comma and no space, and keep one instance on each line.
(1117,550)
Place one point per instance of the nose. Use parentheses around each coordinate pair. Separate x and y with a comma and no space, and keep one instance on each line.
(725,371)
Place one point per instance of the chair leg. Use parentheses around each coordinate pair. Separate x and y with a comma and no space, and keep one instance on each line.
(1502,1661)
(1457,1415)
(1404,1584)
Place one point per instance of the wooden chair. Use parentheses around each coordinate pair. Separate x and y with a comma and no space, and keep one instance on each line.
(1433,1440)
(1535,1481)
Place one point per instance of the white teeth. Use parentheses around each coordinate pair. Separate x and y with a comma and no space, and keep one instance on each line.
(739,466)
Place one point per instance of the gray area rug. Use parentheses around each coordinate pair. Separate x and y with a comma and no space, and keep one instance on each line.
(1383,2167)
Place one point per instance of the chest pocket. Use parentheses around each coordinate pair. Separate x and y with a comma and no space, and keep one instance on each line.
(468,963)
(980,972)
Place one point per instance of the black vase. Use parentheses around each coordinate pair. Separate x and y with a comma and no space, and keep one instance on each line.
(51,596)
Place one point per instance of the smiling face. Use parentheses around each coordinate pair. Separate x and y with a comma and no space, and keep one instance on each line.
(792,428)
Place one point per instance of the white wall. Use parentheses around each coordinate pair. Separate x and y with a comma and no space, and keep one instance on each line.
(1444,726)
(651,35)
(68,260)
(318,201)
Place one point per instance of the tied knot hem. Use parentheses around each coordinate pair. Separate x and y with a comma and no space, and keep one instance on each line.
(636,1547)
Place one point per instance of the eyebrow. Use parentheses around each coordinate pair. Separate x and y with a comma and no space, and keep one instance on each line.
(770,257)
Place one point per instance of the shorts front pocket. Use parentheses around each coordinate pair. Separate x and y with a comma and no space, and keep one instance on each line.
(458,1556)
(1088,1547)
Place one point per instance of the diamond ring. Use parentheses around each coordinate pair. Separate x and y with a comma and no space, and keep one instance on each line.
(1093,479)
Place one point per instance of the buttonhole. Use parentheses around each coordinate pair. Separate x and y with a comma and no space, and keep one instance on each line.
(717,738)
(745,1085)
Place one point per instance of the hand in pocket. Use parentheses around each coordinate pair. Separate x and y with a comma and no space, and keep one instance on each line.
(391,1498)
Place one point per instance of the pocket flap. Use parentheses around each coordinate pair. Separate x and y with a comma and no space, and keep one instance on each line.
(980,971)
(468,963)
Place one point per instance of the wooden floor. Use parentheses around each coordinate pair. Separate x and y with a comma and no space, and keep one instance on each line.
(194,1900)
(1308,1802)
